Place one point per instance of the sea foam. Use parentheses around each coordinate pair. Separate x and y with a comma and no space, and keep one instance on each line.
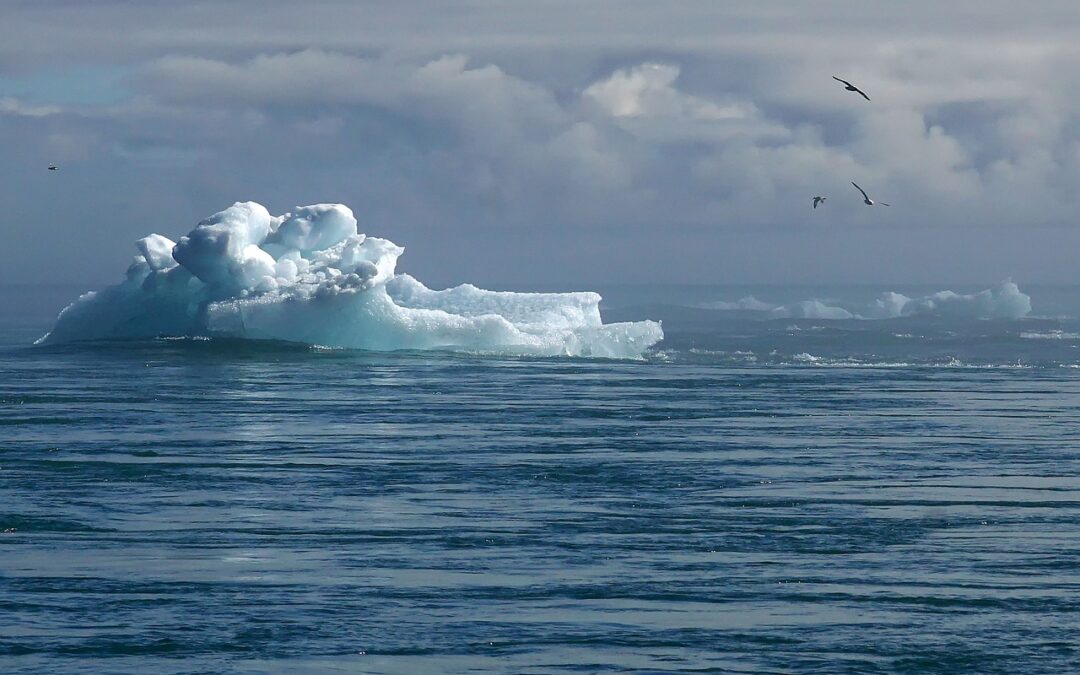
(311,277)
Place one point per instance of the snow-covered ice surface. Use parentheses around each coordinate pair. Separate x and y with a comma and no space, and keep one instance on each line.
(311,277)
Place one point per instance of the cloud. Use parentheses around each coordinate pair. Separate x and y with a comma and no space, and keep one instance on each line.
(714,123)
(648,91)
(645,101)
(630,148)
(279,78)
(13,106)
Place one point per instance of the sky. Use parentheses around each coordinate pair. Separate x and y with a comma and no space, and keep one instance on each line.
(555,143)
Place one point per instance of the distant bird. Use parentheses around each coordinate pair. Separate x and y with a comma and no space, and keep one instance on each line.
(818,200)
(866,199)
(53,167)
(850,87)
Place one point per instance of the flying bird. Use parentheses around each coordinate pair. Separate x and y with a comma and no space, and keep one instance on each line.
(866,198)
(850,87)
(818,200)
(53,167)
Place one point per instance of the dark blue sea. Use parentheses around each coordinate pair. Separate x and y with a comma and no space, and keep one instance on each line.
(758,495)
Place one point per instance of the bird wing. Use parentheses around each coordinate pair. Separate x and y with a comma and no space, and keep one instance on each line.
(881,203)
(844,81)
(861,190)
(861,92)
(816,200)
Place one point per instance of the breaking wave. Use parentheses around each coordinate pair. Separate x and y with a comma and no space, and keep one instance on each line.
(311,277)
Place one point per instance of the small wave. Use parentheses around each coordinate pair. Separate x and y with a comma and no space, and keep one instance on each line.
(808,360)
(324,348)
(720,352)
(1049,335)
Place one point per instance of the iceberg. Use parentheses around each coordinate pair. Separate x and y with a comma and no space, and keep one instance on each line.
(1006,301)
(311,277)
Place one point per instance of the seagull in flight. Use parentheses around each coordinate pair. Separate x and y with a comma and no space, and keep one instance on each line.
(818,200)
(850,87)
(53,167)
(866,199)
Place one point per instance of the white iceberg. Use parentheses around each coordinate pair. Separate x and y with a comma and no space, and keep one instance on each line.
(1006,301)
(311,277)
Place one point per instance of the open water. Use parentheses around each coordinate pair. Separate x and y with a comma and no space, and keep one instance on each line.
(757,495)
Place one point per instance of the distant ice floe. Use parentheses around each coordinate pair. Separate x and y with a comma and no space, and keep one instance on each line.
(1006,301)
(311,277)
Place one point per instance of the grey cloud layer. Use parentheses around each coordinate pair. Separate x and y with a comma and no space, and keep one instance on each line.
(631,133)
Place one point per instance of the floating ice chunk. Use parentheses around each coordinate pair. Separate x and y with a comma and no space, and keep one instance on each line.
(748,303)
(889,306)
(1004,302)
(315,279)
(810,309)
(805,309)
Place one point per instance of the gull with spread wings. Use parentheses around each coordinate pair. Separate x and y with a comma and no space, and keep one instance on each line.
(850,87)
(866,198)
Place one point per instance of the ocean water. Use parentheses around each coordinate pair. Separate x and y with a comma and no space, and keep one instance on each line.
(756,495)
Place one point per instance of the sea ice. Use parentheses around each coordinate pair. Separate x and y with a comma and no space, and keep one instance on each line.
(311,277)
(1006,301)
